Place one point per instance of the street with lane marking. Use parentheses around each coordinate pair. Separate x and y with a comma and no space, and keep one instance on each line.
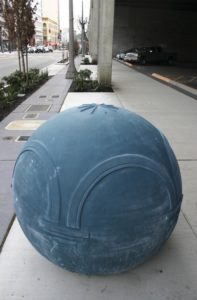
(9,61)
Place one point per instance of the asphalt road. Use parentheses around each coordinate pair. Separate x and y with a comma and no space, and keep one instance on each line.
(9,61)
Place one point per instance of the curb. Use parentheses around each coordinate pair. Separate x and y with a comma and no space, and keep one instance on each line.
(176,84)
(171,83)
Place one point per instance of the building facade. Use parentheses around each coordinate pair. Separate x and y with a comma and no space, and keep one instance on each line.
(38,38)
(51,23)
(50,32)
(51,10)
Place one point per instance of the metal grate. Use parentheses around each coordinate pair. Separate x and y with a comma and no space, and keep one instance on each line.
(31,116)
(22,138)
(38,107)
(8,138)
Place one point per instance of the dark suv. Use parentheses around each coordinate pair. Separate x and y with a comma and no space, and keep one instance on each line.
(156,55)
(151,55)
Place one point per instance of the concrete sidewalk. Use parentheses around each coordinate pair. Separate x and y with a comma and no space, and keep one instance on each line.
(172,273)
(19,125)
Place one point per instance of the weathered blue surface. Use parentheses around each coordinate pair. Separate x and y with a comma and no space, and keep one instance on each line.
(97,189)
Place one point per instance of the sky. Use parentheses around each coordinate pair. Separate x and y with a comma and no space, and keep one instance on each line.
(77,7)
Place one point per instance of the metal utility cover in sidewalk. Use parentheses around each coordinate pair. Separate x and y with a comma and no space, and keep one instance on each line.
(25,125)
(30,116)
(38,108)
(22,138)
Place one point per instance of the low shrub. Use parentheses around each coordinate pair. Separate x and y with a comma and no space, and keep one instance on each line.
(86,61)
(18,83)
(83,83)
(35,79)
(7,96)
(15,80)
(44,76)
(2,96)
(22,83)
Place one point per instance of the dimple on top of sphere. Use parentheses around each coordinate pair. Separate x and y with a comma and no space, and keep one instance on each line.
(100,186)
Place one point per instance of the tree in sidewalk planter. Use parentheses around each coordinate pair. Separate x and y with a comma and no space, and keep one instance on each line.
(20,23)
(14,88)
(16,81)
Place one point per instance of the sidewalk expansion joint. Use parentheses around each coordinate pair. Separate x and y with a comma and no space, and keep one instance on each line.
(8,160)
(7,232)
(192,159)
(190,226)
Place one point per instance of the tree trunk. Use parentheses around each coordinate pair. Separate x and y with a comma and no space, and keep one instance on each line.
(71,68)
(19,55)
(19,60)
(23,61)
(27,67)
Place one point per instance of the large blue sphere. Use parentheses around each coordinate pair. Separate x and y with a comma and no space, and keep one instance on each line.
(97,189)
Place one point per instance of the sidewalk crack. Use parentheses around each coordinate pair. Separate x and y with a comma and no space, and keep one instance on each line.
(189,224)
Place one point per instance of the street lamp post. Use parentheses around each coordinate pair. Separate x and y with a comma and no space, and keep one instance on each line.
(71,72)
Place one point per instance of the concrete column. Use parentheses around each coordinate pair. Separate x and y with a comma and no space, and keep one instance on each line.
(106,28)
(94,29)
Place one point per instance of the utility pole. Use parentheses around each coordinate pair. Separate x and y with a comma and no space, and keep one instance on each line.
(71,72)
(83,22)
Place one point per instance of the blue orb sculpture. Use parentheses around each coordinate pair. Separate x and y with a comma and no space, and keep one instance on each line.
(97,189)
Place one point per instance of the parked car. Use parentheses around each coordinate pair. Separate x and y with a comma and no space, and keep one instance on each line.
(132,56)
(31,49)
(40,49)
(50,48)
(121,55)
(46,49)
(151,55)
